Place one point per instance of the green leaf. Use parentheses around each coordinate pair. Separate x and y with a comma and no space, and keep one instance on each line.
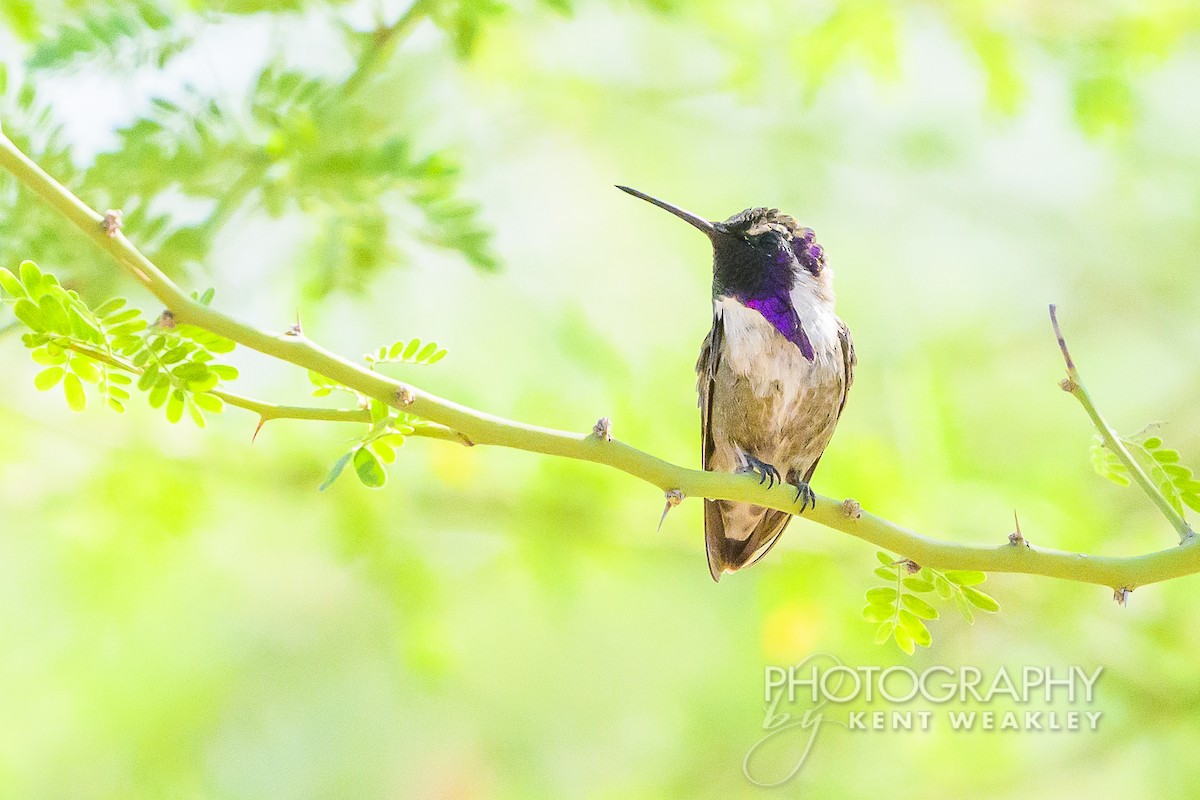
(427,351)
(1192,500)
(918,606)
(964,608)
(223,371)
(195,413)
(209,402)
(1165,456)
(207,297)
(411,349)
(83,327)
(965,577)
(1152,443)
(979,599)
(884,631)
(338,466)
(148,377)
(917,584)
(31,276)
(48,378)
(110,306)
(11,284)
(44,356)
(883,594)
(885,558)
(904,640)
(914,627)
(175,407)
(175,354)
(887,573)
(436,357)
(87,369)
(116,317)
(53,313)
(397,348)
(28,312)
(385,452)
(878,612)
(944,589)
(158,394)
(73,389)
(370,472)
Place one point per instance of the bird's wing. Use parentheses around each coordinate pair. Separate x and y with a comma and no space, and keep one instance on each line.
(849,362)
(706,372)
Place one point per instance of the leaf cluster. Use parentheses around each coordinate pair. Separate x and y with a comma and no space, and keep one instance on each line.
(376,448)
(1176,481)
(115,349)
(899,610)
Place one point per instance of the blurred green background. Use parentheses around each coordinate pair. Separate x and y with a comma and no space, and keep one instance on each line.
(183,615)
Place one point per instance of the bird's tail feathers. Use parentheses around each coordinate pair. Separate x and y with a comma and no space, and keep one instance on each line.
(738,534)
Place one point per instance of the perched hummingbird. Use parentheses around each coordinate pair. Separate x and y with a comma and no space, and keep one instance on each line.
(773,372)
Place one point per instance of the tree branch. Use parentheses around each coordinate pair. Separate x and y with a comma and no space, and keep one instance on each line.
(1074,386)
(476,427)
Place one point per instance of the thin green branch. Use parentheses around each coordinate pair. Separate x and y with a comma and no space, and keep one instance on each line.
(269,411)
(1074,386)
(386,39)
(475,427)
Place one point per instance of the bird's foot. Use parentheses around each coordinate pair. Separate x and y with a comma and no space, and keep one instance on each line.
(804,493)
(762,469)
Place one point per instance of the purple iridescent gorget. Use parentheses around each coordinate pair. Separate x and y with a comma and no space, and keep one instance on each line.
(773,299)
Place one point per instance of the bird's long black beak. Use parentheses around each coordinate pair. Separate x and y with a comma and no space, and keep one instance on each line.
(706,227)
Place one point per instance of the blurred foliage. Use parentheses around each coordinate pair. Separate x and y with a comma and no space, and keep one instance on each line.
(186,616)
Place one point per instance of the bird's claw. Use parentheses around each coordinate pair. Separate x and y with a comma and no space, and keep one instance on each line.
(805,495)
(763,470)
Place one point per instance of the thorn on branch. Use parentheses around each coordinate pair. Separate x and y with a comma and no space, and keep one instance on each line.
(166,319)
(111,224)
(674,498)
(405,396)
(1121,596)
(1015,538)
(851,508)
(261,421)
(602,430)
(911,566)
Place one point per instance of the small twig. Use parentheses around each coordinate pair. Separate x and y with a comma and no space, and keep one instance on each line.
(1075,388)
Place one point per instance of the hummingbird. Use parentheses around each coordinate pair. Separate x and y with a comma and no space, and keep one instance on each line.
(773,372)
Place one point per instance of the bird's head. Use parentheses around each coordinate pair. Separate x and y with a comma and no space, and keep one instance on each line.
(757,251)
